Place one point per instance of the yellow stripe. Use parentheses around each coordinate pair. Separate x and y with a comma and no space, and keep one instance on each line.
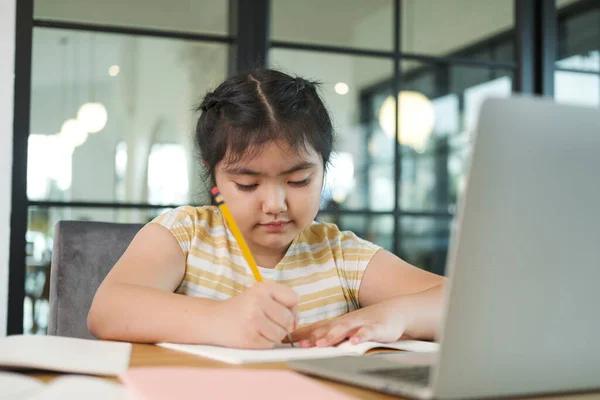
(204,283)
(220,261)
(312,278)
(322,303)
(363,256)
(319,294)
(215,279)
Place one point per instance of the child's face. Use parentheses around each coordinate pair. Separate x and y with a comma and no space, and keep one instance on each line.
(273,196)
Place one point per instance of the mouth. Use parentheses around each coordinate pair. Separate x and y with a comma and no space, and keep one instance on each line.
(277,226)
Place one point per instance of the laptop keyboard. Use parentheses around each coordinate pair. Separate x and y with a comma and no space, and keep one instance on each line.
(417,375)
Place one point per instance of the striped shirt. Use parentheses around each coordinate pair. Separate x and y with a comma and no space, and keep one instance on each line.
(323,265)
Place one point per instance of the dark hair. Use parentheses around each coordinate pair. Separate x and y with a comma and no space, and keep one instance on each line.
(250,110)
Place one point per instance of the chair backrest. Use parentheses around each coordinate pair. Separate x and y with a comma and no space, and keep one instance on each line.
(83,254)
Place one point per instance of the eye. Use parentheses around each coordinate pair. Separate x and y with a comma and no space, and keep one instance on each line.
(246,188)
(300,183)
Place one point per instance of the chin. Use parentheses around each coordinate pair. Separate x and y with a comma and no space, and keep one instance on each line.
(277,241)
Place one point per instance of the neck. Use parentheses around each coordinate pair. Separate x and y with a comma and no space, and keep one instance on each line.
(267,257)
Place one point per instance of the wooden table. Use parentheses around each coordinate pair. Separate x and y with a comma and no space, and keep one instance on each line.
(145,355)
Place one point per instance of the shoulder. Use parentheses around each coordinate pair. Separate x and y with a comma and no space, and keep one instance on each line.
(320,232)
(190,217)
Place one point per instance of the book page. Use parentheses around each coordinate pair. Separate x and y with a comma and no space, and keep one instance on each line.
(285,352)
(63,354)
(239,356)
(401,345)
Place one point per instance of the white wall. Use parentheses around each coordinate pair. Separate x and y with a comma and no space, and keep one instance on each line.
(7,54)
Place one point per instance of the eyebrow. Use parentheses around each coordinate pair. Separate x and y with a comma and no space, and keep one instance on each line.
(247,171)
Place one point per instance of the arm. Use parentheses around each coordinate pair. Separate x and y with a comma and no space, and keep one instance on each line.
(136,302)
(397,300)
(415,293)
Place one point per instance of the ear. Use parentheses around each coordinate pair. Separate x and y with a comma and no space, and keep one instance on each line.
(204,164)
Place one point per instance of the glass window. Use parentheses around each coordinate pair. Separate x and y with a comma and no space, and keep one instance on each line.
(578,50)
(378,229)
(208,16)
(348,23)
(577,88)
(49,167)
(344,81)
(578,46)
(167,174)
(438,108)
(140,100)
(120,172)
(458,27)
(424,242)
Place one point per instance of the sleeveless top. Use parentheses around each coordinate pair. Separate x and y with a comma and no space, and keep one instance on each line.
(323,265)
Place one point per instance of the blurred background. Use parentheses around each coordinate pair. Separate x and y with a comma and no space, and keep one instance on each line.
(114,85)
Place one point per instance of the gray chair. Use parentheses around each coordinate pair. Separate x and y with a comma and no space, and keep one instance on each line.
(83,254)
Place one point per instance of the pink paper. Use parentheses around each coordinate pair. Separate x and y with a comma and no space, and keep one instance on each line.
(161,383)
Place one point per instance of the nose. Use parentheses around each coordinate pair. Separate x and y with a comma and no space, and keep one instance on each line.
(274,200)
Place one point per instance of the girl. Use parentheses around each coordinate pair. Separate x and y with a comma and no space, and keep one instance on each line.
(265,139)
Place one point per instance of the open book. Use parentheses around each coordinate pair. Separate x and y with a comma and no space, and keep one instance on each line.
(287,353)
(63,354)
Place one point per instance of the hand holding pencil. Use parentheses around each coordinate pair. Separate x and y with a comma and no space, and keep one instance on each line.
(267,308)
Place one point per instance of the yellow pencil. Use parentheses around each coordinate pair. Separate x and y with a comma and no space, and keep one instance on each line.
(240,239)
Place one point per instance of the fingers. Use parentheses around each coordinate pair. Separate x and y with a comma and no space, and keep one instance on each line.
(315,335)
(269,310)
(306,331)
(279,315)
(272,332)
(338,333)
(259,341)
(327,333)
(259,326)
(364,334)
(283,294)
(306,336)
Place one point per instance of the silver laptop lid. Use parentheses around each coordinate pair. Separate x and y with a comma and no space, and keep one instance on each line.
(524,312)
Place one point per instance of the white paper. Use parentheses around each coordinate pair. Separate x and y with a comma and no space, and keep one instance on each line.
(287,353)
(62,354)
(82,388)
(417,346)
(14,386)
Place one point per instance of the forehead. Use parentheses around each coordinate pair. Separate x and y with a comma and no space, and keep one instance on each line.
(273,155)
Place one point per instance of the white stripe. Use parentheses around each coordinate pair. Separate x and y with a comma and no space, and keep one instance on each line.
(201,291)
(325,298)
(319,314)
(215,269)
(308,270)
(314,260)
(211,282)
(324,284)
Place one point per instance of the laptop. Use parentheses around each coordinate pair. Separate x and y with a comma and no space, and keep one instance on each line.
(522,309)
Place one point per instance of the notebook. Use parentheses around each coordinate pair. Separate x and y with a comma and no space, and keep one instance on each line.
(14,386)
(287,353)
(158,383)
(63,354)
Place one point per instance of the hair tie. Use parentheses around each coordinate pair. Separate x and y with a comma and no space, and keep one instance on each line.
(302,84)
(211,101)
